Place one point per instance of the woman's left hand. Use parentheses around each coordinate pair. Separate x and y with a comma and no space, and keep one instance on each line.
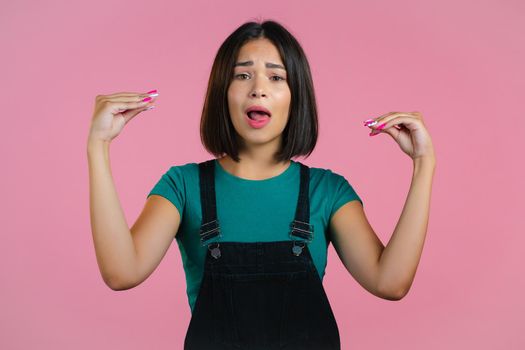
(408,130)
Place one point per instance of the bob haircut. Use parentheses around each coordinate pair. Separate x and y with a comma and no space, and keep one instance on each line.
(216,129)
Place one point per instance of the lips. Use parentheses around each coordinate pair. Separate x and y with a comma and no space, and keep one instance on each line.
(259,122)
(255,112)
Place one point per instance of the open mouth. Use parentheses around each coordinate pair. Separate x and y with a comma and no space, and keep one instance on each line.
(258,115)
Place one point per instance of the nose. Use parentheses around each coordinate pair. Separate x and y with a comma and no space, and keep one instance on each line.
(258,89)
(258,92)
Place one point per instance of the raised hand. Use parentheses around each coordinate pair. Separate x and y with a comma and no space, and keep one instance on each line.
(407,129)
(113,112)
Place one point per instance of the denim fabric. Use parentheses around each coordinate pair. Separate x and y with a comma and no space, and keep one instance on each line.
(260,295)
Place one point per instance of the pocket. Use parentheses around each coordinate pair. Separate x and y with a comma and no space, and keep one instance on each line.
(296,309)
(257,301)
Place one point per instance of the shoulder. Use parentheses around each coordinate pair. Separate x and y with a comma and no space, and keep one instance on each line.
(185,174)
(335,184)
(182,170)
(189,169)
(325,175)
(183,167)
(176,177)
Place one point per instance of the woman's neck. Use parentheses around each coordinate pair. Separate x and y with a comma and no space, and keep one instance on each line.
(253,168)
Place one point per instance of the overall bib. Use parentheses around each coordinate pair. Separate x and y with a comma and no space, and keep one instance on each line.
(262,295)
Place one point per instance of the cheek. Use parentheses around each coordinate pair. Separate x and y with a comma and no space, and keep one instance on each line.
(233,97)
(231,102)
(285,98)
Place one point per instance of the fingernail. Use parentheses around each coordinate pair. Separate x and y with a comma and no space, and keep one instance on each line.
(368,120)
(152,91)
(146,99)
(381,126)
(371,123)
(374,133)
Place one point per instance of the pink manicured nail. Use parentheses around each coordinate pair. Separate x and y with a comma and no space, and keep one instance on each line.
(368,120)
(146,99)
(381,126)
(374,133)
(152,91)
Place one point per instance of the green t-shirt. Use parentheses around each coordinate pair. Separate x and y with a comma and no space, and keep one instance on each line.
(250,211)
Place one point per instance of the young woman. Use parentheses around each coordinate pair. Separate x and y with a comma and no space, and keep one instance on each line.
(253,225)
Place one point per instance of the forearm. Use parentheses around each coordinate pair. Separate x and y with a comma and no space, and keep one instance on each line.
(400,258)
(113,242)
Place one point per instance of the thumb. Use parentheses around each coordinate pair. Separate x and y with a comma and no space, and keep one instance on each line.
(393,132)
(130,114)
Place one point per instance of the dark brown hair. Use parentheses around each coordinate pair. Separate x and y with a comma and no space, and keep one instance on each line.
(300,134)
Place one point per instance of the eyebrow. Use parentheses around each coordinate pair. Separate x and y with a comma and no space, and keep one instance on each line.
(250,63)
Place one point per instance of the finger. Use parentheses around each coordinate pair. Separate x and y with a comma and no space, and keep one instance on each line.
(389,128)
(142,101)
(131,94)
(120,106)
(402,123)
(394,132)
(120,95)
(130,98)
(134,111)
(130,114)
(374,120)
(381,119)
(138,98)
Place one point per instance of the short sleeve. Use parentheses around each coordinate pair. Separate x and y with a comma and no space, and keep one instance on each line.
(171,186)
(343,192)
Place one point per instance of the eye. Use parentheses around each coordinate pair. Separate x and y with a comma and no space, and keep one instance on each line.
(241,75)
(276,76)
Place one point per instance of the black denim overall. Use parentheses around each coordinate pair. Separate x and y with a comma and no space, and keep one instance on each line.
(262,295)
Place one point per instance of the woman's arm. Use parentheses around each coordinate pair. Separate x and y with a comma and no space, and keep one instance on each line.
(388,272)
(112,239)
(400,258)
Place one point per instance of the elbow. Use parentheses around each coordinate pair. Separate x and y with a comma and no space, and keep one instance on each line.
(117,284)
(392,294)
(118,287)
(396,296)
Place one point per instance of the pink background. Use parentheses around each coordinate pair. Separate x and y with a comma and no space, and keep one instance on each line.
(460,63)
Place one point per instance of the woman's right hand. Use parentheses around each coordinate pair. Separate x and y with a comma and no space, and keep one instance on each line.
(114,111)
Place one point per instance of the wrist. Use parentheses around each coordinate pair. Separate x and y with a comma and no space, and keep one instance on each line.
(426,162)
(95,145)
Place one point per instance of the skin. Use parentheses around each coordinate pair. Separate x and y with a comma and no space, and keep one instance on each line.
(385,271)
(257,84)
(388,271)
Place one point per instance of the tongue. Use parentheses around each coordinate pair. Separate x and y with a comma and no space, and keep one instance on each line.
(258,115)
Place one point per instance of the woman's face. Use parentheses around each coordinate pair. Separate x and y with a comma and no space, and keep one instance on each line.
(259,79)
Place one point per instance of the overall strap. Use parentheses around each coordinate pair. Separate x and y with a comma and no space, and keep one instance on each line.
(210,224)
(300,226)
